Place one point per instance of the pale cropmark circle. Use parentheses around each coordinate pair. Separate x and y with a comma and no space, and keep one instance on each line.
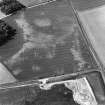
(44,22)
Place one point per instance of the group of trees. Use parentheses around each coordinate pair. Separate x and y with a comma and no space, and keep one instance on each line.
(6,32)
(10,6)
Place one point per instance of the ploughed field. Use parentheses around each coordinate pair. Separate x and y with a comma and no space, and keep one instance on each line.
(87,4)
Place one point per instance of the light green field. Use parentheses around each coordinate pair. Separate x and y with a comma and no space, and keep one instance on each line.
(94,25)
